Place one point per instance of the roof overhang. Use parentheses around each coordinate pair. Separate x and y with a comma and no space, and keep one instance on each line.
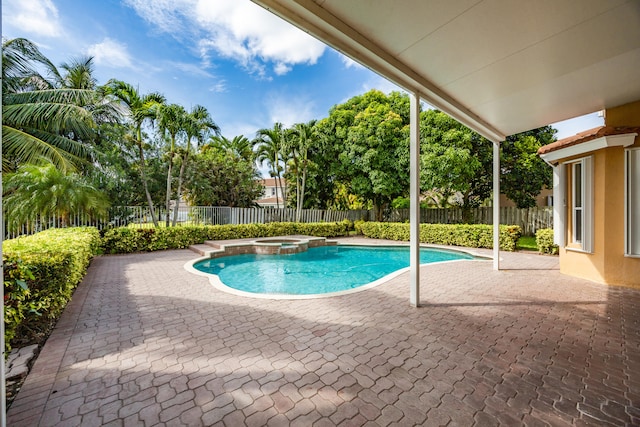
(498,66)
(552,155)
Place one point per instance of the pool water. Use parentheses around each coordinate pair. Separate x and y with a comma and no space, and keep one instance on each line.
(318,270)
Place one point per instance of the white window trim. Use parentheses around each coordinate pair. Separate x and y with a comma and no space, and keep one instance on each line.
(577,212)
(586,245)
(559,205)
(627,225)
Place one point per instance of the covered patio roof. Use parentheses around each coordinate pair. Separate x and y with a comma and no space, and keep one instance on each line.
(498,66)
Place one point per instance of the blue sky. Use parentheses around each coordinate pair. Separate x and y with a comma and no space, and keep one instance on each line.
(248,67)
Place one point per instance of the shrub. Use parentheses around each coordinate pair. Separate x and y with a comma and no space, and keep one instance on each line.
(40,273)
(469,235)
(127,240)
(544,241)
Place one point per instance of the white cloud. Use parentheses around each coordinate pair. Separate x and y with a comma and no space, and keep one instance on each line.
(290,110)
(219,87)
(33,17)
(192,69)
(111,53)
(239,30)
(281,68)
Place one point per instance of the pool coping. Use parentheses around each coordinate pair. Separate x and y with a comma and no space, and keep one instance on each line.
(249,246)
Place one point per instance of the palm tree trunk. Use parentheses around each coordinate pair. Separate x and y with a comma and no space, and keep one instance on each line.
(298,205)
(168,196)
(179,196)
(304,183)
(143,175)
(275,180)
(284,198)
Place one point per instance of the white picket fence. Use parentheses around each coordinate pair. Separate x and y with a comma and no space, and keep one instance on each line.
(530,220)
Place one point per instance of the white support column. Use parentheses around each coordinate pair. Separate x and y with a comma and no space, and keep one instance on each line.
(496,206)
(414,140)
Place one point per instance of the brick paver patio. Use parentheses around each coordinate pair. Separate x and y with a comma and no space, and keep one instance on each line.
(145,342)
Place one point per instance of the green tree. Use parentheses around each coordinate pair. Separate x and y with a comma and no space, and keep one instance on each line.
(271,145)
(46,191)
(139,109)
(302,139)
(240,145)
(198,125)
(41,123)
(453,161)
(374,146)
(220,177)
(322,176)
(457,163)
(172,121)
(523,173)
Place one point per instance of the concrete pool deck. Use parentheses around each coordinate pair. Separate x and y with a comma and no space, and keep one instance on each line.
(144,342)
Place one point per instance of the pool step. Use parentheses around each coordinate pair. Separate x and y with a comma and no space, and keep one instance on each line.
(201,249)
(267,245)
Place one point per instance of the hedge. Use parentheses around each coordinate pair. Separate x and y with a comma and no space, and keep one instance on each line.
(40,273)
(544,241)
(128,240)
(469,235)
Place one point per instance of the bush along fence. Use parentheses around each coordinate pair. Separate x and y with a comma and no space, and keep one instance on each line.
(529,220)
(468,235)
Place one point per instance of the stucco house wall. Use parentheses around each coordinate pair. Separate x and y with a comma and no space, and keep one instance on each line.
(606,262)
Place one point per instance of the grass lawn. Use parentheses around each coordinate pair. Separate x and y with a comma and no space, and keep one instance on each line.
(527,243)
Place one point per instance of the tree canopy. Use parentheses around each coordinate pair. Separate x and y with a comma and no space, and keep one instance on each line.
(139,148)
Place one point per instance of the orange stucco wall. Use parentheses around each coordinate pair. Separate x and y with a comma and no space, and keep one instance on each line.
(607,263)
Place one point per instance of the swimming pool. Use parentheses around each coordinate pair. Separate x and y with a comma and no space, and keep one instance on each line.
(318,270)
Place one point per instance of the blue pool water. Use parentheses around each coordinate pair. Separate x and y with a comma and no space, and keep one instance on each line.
(319,270)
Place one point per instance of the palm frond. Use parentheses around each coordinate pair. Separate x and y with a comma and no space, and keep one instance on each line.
(63,119)
(27,148)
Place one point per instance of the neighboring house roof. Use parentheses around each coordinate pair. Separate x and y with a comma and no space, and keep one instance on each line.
(270,201)
(272,182)
(586,136)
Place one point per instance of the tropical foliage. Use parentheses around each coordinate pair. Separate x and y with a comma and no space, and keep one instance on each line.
(35,191)
(138,148)
(219,177)
(40,122)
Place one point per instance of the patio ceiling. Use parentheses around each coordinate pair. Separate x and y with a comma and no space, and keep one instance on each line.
(498,66)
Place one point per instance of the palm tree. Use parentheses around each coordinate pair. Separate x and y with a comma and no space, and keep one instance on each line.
(304,137)
(41,123)
(271,144)
(198,125)
(240,145)
(79,74)
(172,120)
(46,191)
(139,108)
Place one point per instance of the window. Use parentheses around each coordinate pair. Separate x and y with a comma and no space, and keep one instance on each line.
(581,191)
(632,202)
(576,205)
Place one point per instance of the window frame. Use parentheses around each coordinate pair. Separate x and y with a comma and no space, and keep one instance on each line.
(583,242)
(629,228)
(577,210)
